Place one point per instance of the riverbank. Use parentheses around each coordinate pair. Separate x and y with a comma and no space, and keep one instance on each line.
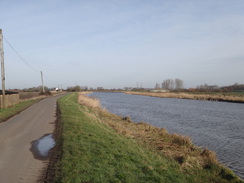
(193,96)
(98,146)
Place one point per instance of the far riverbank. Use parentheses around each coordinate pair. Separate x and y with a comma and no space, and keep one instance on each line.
(209,97)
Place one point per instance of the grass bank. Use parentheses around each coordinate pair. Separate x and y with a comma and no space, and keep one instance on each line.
(222,97)
(101,147)
(11,111)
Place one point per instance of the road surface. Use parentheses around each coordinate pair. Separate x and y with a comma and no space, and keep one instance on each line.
(17,163)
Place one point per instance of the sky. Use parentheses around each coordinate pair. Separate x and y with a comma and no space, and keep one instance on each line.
(122,43)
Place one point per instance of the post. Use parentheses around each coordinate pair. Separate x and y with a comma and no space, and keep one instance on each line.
(43,90)
(2,68)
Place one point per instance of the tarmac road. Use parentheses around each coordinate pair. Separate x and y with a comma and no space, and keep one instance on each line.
(17,163)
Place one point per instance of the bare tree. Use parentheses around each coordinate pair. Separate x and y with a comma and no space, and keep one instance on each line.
(157,86)
(165,84)
(168,84)
(179,84)
(172,84)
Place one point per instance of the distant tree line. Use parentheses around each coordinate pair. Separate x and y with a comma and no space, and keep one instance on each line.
(171,84)
(77,88)
(35,89)
(234,88)
(215,88)
(39,90)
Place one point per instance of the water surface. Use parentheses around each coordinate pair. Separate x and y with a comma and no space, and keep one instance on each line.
(42,146)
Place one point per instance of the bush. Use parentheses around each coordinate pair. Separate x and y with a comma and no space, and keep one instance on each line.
(47,93)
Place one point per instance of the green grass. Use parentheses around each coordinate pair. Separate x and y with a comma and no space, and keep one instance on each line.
(94,152)
(11,111)
(238,93)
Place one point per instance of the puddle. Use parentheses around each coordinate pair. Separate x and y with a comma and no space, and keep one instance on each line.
(41,147)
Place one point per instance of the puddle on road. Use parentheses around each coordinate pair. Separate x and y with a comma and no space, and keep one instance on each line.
(41,147)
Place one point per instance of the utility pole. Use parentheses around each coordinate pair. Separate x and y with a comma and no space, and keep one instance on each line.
(43,90)
(2,68)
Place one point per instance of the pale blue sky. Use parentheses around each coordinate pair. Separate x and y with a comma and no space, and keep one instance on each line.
(119,43)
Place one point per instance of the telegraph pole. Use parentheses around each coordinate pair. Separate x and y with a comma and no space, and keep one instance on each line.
(2,68)
(43,90)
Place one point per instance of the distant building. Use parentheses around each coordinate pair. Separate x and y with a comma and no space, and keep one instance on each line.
(159,91)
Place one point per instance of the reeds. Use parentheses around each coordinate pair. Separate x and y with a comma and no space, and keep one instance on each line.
(209,97)
(88,101)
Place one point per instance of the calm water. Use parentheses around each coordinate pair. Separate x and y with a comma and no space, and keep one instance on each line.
(218,126)
(42,146)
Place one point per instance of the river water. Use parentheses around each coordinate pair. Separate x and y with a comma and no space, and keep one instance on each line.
(219,126)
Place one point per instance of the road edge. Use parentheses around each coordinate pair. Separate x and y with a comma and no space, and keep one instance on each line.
(55,154)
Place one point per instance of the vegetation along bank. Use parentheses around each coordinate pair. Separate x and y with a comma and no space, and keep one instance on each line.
(221,97)
(97,146)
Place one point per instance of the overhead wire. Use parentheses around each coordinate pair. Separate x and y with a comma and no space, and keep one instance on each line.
(20,56)
(24,61)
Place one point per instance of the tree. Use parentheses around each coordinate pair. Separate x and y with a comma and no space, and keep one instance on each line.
(179,84)
(35,89)
(77,88)
(157,86)
(168,84)
(165,84)
(74,88)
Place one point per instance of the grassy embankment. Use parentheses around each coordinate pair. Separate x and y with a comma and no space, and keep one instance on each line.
(101,147)
(227,97)
(11,111)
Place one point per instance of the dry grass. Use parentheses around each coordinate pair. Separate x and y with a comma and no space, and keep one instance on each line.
(209,97)
(174,146)
(25,96)
(88,101)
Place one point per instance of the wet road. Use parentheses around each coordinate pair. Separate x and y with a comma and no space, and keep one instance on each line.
(17,163)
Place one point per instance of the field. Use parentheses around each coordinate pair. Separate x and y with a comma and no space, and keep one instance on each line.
(28,95)
(97,146)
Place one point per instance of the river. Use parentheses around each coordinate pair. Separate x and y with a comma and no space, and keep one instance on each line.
(219,126)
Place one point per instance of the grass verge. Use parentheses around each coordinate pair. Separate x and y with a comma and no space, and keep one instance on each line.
(101,147)
(11,111)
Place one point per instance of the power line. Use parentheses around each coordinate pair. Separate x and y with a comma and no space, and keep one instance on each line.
(25,62)
(21,56)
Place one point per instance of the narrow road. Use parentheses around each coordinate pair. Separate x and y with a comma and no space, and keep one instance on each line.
(17,163)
